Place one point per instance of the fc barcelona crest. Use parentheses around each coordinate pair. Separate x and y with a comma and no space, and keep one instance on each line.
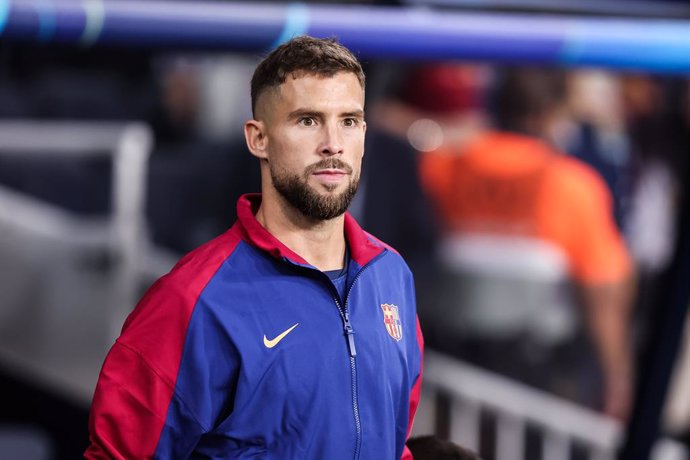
(392,320)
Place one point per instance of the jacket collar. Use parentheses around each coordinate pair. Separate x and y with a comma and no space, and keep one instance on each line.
(363,247)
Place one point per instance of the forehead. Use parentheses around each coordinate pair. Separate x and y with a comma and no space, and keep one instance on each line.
(340,89)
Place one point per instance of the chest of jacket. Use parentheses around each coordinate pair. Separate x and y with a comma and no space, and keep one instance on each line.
(269,337)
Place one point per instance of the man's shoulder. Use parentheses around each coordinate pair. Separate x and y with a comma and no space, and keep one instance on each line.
(167,306)
(378,242)
(574,178)
(203,262)
(395,255)
(182,286)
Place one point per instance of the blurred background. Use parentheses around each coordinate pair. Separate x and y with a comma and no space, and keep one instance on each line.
(528,158)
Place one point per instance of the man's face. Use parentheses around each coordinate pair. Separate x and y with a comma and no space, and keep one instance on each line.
(315,132)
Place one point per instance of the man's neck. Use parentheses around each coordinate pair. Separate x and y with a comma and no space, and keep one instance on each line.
(321,243)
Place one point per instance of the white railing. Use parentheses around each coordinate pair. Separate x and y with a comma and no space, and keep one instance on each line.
(561,424)
(39,233)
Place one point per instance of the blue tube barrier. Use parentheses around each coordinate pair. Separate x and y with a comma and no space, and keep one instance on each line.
(661,46)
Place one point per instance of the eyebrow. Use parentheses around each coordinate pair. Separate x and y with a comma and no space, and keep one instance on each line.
(316,114)
(355,114)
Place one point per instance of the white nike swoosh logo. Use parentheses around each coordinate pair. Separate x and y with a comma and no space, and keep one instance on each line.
(274,342)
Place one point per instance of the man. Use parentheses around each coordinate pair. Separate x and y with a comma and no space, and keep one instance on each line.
(292,335)
(528,234)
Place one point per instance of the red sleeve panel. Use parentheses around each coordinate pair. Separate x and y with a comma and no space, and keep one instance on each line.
(128,414)
(136,386)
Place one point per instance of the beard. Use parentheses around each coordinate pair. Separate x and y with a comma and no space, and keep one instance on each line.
(295,189)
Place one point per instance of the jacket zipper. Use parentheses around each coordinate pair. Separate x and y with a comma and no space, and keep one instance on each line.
(349,334)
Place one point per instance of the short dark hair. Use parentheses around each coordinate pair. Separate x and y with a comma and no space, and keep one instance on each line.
(318,56)
(431,447)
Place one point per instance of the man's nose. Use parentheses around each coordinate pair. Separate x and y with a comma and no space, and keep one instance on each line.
(332,143)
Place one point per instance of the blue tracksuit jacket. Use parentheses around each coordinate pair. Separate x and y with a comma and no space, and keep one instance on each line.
(244,350)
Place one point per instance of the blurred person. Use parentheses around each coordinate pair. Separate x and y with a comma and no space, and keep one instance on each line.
(656,118)
(517,217)
(581,113)
(176,117)
(240,349)
(595,98)
(433,448)
(658,121)
(659,131)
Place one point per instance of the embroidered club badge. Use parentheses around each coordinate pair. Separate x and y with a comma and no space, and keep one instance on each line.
(392,320)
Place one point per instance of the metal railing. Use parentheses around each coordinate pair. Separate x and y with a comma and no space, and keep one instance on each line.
(515,408)
(48,348)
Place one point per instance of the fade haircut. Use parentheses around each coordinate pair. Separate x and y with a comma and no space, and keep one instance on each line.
(315,56)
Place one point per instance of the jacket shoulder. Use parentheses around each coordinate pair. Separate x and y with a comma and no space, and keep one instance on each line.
(161,318)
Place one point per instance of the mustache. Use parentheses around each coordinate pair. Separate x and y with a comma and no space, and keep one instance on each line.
(330,163)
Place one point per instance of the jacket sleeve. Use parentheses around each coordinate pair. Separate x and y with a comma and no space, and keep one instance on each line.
(130,411)
(416,391)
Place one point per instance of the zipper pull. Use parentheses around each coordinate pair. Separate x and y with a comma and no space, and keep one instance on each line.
(350,333)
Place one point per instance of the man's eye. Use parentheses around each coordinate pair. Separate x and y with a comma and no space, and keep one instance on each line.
(350,122)
(306,121)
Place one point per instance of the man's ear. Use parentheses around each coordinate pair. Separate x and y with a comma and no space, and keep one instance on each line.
(255,135)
